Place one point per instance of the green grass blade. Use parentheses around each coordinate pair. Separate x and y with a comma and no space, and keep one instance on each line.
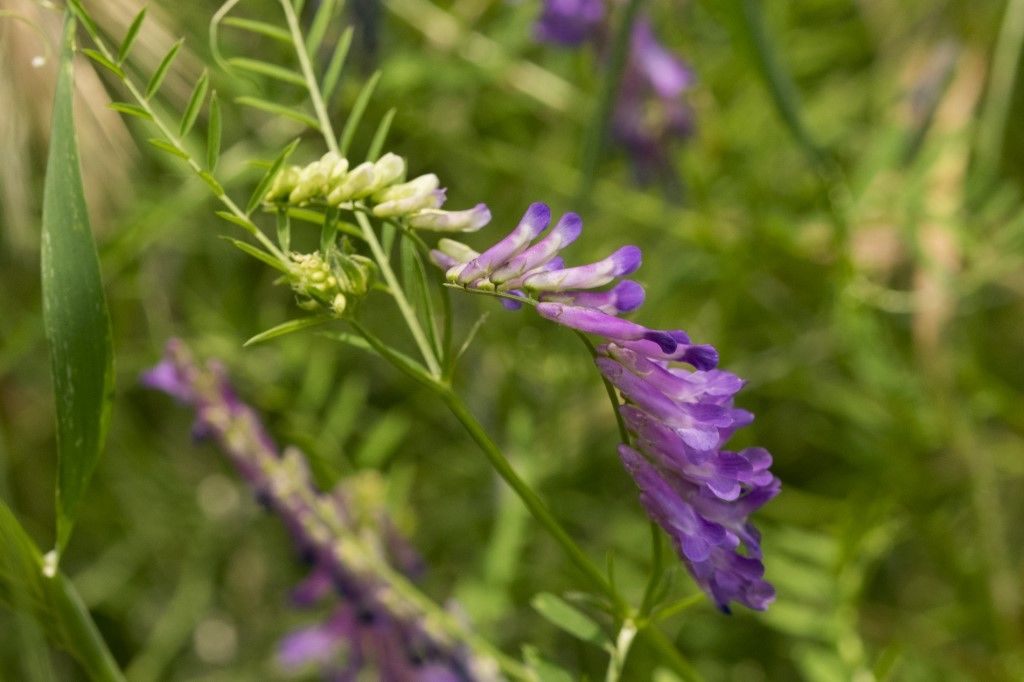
(161,71)
(333,73)
(379,137)
(213,133)
(195,104)
(357,113)
(279,110)
(130,36)
(52,601)
(74,309)
(417,286)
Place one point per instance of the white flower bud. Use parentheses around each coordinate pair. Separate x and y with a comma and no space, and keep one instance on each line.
(357,184)
(387,170)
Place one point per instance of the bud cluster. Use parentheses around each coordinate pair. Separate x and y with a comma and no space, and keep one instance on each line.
(330,283)
(377,185)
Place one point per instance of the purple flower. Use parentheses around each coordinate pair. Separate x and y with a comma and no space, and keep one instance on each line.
(570,22)
(344,534)
(650,112)
(679,419)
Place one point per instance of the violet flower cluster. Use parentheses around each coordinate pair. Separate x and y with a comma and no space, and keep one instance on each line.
(650,112)
(679,419)
(344,535)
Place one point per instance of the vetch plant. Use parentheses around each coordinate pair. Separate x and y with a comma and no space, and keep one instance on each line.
(674,420)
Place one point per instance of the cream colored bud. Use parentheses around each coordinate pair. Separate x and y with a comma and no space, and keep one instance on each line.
(283,183)
(388,170)
(357,184)
(418,186)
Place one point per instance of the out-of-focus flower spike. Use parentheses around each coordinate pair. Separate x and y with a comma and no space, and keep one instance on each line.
(569,22)
(532,224)
(624,297)
(564,233)
(623,262)
(469,220)
(595,322)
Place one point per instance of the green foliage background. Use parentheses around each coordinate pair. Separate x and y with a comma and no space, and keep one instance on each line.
(871,295)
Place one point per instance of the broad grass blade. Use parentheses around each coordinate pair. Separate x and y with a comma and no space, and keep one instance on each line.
(74,310)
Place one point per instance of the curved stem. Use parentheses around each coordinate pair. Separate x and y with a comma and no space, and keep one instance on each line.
(397,293)
(307,71)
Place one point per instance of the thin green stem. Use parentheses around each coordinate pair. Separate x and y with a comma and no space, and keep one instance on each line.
(307,72)
(610,390)
(398,294)
(617,660)
(657,570)
(598,131)
(537,507)
(1000,90)
(678,607)
(79,628)
(660,641)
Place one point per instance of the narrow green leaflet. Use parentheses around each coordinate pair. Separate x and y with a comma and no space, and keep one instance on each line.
(267,69)
(130,36)
(168,147)
(52,601)
(260,27)
(289,327)
(213,133)
(381,135)
(258,254)
(195,103)
(414,277)
(130,110)
(74,310)
(278,110)
(104,62)
(161,71)
(569,618)
(356,114)
(318,29)
(268,177)
(333,73)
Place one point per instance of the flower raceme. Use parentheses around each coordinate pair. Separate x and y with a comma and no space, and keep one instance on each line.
(377,185)
(679,418)
(344,534)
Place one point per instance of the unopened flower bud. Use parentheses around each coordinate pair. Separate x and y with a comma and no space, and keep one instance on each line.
(437,220)
(387,170)
(283,183)
(357,183)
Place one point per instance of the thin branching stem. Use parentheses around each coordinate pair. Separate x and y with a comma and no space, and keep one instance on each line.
(399,295)
(307,72)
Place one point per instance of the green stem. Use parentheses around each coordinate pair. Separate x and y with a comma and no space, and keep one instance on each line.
(617,661)
(598,132)
(79,628)
(307,72)
(1000,90)
(537,508)
(397,293)
(657,570)
(781,87)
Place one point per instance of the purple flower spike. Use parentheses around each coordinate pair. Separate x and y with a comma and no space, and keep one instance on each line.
(624,297)
(533,223)
(560,236)
(569,22)
(623,262)
(595,322)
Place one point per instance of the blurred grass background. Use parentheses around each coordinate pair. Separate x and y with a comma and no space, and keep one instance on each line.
(866,278)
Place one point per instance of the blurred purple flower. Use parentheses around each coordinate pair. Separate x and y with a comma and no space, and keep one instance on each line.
(650,113)
(679,419)
(344,534)
(569,22)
